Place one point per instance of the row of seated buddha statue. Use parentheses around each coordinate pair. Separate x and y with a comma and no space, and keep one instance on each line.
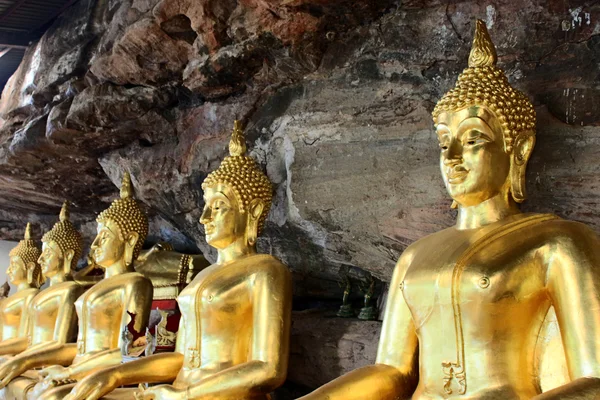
(233,334)
(469,314)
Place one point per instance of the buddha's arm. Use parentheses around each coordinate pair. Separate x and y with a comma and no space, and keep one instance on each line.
(13,346)
(95,362)
(156,368)
(26,316)
(394,376)
(138,302)
(573,282)
(267,370)
(65,327)
(41,356)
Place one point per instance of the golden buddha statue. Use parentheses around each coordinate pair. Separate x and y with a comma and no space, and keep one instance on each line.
(53,320)
(120,301)
(24,272)
(233,337)
(467,306)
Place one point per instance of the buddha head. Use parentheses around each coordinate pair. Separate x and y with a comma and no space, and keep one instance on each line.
(237,197)
(486,130)
(61,247)
(122,230)
(23,267)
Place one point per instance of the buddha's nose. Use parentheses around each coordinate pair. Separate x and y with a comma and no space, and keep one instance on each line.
(454,154)
(205,216)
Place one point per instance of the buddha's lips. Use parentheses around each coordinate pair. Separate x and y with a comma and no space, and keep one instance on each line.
(208,229)
(456,174)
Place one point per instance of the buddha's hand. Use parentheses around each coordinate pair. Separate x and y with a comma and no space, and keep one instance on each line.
(56,373)
(94,386)
(9,371)
(160,392)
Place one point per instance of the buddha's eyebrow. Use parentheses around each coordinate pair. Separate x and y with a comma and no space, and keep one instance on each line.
(223,194)
(469,120)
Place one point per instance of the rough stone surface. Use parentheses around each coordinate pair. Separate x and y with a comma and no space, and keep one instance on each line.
(324,347)
(336,96)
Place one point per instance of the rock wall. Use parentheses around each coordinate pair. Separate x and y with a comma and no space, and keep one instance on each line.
(336,96)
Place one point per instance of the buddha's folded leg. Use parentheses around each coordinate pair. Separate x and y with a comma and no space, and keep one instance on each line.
(58,393)
(121,394)
(128,394)
(18,388)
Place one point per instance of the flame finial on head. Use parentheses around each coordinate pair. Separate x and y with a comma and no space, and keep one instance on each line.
(126,189)
(64,212)
(483,51)
(27,235)
(237,144)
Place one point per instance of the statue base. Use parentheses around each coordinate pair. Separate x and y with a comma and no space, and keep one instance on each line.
(345,311)
(368,314)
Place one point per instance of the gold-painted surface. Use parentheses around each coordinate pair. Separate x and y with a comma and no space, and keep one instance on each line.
(233,338)
(23,272)
(501,305)
(121,299)
(52,316)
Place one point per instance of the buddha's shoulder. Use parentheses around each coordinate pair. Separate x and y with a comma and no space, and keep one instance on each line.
(266,263)
(24,294)
(433,239)
(63,289)
(563,231)
(18,299)
(124,280)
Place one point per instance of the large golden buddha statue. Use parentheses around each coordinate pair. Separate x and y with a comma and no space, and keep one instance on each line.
(233,338)
(53,320)
(121,301)
(466,307)
(24,272)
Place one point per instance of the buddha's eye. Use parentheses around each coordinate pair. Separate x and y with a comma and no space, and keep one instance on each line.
(475,137)
(218,205)
(444,146)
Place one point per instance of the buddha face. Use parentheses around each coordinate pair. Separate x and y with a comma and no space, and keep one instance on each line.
(17,270)
(108,247)
(51,259)
(475,165)
(223,221)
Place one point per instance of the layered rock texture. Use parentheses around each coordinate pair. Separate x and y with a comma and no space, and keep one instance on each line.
(336,96)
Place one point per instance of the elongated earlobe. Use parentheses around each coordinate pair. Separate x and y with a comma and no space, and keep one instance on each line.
(255,210)
(522,149)
(67,261)
(130,243)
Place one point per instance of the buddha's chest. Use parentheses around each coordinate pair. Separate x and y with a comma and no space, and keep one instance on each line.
(478,286)
(45,311)
(216,305)
(101,306)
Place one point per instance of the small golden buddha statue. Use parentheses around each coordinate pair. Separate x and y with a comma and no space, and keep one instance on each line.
(233,337)
(24,272)
(467,305)
(120,301)
(53,320)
